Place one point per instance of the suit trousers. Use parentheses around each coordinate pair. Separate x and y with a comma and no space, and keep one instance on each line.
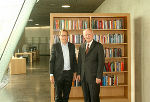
(90,91)
(63,87)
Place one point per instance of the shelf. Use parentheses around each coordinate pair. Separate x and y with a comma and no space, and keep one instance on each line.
(115,72)
(115,44)
(103,98)
(102,86)
(114,86)
(107,58)
(108,44)
(57,30)
(113,97)
(110,29)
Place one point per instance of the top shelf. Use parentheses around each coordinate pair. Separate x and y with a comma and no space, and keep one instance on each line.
(102,15)
(109,29)
(55,30)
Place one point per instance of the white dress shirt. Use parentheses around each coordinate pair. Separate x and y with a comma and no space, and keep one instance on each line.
(90,43)
(66,57)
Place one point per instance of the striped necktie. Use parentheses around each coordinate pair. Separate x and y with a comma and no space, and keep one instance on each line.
(87,48)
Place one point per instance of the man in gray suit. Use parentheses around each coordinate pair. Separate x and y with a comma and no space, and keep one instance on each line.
(62,67)
(90,67)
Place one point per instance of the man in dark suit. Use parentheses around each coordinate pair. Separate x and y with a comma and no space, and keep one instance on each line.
(62,67)
(90,67)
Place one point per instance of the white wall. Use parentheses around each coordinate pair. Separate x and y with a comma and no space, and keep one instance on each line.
(38,36)
(21,42)
(140,56)
(14,16)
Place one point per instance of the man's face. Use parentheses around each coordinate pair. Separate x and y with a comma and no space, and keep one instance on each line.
(63,37)
(88,35)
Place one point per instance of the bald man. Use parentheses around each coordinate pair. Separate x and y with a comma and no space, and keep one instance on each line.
(90,67)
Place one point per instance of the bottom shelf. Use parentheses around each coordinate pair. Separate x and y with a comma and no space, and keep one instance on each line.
(105,91)
(107,94)
(102,99)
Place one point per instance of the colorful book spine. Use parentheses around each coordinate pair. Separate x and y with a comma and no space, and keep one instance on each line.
(109,38)
(70,24)
(107,24)
(110,80)
(116,66)
(113,52)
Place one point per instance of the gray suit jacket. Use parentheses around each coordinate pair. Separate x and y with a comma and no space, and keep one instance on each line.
(91,65)
(57,61)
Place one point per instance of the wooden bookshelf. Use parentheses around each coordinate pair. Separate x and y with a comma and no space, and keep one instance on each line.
(115,93)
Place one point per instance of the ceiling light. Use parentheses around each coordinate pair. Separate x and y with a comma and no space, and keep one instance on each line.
(37,24)
(30,20)
(65,6)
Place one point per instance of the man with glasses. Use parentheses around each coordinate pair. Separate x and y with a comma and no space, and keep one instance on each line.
(62,67)
(90,67)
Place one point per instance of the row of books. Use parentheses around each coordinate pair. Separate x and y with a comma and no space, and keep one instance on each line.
(109,38)
(76,39)
(112,52)
(109,80)
(107,24)
(114,66)
(70,24)
(104,39)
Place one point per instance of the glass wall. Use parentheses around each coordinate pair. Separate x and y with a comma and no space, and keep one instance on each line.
(13,19)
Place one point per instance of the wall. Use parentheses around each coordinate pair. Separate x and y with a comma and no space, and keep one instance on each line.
(140,24)
(38,36)
(14,18)
(20,43)
(146,49)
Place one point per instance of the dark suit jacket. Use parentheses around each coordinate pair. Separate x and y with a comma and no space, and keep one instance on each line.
(57,61)
(91,65)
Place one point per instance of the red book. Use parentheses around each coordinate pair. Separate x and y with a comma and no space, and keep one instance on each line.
(109,67)
(73,41)
(111,24)
(122,66)
(106,66)
(102,24)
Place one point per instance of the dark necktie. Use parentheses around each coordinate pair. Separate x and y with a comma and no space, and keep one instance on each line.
(87,48)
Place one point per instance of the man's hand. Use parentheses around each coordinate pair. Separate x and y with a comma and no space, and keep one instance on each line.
(78,77)
(52,79)
(98,81)
(74,76)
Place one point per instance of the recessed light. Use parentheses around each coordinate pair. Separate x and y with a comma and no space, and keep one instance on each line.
(36,24)
(65,6)
(30,20)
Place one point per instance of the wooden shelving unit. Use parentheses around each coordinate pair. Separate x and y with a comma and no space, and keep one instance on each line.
(116,93)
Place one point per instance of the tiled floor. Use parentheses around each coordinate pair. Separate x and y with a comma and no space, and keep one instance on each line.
(34,86)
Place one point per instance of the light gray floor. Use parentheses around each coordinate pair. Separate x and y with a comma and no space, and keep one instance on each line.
(34,86)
